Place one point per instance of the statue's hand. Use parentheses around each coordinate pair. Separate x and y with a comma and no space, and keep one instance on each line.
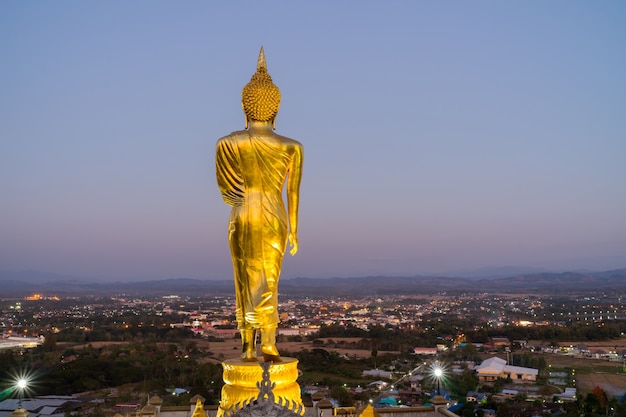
(293,242)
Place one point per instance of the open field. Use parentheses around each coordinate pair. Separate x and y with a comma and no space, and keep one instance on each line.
(582,365)
(231,348)
(614,385)
(604,345)
(586,365)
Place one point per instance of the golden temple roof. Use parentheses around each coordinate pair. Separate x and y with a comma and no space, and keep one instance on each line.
(369,411)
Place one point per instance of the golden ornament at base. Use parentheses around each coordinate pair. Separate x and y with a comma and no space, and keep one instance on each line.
(242,378)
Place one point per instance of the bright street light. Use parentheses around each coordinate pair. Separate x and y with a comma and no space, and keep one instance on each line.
(437,374)
(22,384)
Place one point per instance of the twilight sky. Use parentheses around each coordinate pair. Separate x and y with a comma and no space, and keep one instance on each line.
(438,136)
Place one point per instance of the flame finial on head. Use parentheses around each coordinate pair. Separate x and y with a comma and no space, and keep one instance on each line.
(260,97)
(261,65)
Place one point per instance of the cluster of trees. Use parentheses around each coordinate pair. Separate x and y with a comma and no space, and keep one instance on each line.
(529,361)
(110,333)
(576,331)
(320,366)
(389,338)
(393,338)
(151,367)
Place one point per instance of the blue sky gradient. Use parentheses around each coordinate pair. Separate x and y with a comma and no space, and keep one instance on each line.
(438,136)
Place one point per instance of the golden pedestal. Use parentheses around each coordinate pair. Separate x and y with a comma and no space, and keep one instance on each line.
(243,381)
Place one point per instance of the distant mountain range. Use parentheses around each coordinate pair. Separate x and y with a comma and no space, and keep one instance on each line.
(531,283)
(27,282)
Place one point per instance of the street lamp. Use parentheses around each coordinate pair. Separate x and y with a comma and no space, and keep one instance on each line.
(438,372)
(22,384)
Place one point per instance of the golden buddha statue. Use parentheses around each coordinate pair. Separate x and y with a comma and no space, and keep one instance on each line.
(252,168)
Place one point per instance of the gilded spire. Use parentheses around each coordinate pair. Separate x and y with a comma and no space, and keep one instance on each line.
(261,97)
(261,65)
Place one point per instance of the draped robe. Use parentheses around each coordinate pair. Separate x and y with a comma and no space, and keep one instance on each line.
(251,172)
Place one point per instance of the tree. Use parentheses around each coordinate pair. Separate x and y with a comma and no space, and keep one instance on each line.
(620,410)
(342,396)
(467,412)
(49,342)
(461,383)
(504,410)
(601,398)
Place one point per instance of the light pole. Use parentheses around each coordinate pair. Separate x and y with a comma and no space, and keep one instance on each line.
(438,374)
(21,386)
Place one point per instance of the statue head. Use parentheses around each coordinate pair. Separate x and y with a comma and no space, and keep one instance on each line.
(260,98)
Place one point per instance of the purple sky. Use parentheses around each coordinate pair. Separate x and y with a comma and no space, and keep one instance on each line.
(438,136)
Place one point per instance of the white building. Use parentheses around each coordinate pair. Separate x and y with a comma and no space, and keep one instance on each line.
(494,368)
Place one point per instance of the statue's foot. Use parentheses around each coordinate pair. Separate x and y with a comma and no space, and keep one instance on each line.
(248,356)
(270,353)
(248,351)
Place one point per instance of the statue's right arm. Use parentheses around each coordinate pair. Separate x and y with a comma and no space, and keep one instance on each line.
(293,194)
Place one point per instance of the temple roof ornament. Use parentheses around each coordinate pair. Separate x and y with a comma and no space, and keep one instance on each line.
(155,400)
(199,410)
(20,412)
